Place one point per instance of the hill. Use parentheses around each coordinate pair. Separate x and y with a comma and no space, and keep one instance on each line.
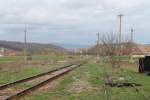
(135,49)
(31,47)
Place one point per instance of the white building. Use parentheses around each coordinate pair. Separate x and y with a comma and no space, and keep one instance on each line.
(2,50)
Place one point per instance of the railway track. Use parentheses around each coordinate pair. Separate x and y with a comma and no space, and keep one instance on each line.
(134,85)
(140,92)
(106,95)
(105,87)
(109,83)
(7,91)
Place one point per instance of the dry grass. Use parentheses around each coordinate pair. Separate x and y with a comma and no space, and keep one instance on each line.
(79,86)
(126,65)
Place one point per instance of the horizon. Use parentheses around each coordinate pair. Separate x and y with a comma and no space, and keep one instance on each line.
(60,43)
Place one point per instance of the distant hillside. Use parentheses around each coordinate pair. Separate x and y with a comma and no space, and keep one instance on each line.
(136,49)
(31,47)
(74,46)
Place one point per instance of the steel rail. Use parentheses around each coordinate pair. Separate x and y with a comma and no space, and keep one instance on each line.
(32,77)
(35,87)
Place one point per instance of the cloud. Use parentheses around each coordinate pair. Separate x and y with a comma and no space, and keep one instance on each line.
(65,19)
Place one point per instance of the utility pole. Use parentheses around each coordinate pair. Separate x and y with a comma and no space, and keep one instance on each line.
(120,32)
(131,44)
(25,44)
(132,35)
(120,27)
(98,42)
(119,37)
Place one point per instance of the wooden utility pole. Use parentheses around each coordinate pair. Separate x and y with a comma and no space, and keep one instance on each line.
(131,42)
(120,32)
(25,44)
(98,42)
(132,35)
(119,38)
(120,27)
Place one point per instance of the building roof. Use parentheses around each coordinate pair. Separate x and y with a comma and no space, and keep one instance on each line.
(141,49)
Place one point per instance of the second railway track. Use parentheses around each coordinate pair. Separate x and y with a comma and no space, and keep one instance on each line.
(10,92)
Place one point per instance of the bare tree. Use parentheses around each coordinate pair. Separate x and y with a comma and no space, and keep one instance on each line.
(110,48)
(126,46)
(109,43)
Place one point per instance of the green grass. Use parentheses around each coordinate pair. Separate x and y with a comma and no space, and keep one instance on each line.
(11,70)
(124,94)
(142,79)
(15,69)
(10,59)
(19,73)
(48,57)
(88,73)
(84,83)
(93,73)
(129,93)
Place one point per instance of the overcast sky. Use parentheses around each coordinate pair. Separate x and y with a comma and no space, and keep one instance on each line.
(72,21)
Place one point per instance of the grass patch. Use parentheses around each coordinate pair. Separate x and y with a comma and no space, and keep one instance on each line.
(10,59)
(92,74)
(87,73)
(10,76)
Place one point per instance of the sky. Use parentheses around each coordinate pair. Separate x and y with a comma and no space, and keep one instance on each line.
(72,21)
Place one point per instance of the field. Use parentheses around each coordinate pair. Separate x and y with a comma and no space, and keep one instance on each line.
(83,83)
(13,67)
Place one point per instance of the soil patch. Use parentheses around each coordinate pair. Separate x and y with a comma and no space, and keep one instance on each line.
(79,86)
